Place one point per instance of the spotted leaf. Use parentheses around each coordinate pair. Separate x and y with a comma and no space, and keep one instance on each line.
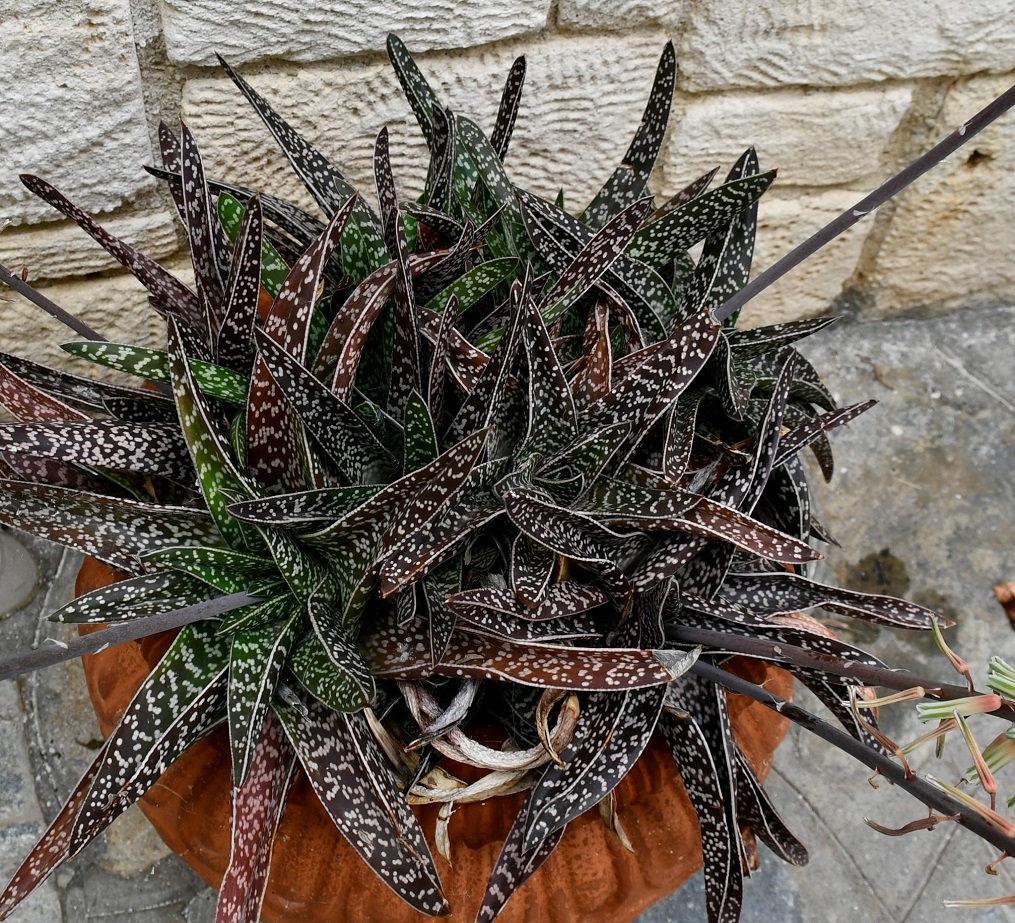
(113,530)
(561,600)
(208,250)
(256,658)
(725,262)
(330,667)
(594,259)
(153,364)
(135,598)
(756,811)
(809,432)
(685,226)
(363,247)
(341,433)
(514,865)
(748,344)
(405,360)
(257,808)
(559,236)
(629,180)
(531,569)
(614,729)
(147,448)
(691,191)
(27,402)
(700,739)
(82,394)
(781,592)
(53,847)
(179,299)
(553,420)
(360,794)
(575,535)
(208,443)
(254,259)
(304,507)
(300,225)
(182,700)
(656,377)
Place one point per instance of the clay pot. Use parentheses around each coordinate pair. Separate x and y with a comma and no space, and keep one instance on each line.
(317,878)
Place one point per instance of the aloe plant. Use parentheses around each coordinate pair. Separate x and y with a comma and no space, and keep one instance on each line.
(464,459)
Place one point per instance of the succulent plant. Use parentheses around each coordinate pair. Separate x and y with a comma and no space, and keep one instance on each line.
(463,460)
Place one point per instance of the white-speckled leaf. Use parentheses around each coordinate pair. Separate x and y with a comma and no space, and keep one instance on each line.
(113,530)
(135,598)
(179,299)
(256,658)
(208,443)
(629,180)
(182,700)
(257,809)
(361,795)
(363,247)
(612,732)
(53,846)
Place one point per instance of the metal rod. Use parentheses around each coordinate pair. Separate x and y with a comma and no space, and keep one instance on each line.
(865,206)
(119,633)
(50,307)
(892,771)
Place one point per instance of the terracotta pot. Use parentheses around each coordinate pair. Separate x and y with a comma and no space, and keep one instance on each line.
(317,878)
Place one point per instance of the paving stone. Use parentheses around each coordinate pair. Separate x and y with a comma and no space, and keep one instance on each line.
(73,109)
(337,28)
(737,43)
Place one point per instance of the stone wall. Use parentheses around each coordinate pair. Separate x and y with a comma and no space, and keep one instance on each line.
(837,96)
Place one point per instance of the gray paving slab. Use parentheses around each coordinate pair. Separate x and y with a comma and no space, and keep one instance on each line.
(922,502)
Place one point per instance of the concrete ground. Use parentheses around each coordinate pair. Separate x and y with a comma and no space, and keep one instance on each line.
(923,503)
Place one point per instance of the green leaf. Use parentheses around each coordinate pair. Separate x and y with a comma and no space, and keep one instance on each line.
(420,438)
(680,229)
(227,570)
(153,365)
(274,269)
(256,658)
(216,472)
(474,284)
(151,736)
(328,664)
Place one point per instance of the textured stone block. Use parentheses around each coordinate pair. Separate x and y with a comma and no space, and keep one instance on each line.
(950,240)
(827,43)
(814,137)
(301,31)
(622,14)
(115,306)
(582,103)
(808,290)
(73,111)
(55,251)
